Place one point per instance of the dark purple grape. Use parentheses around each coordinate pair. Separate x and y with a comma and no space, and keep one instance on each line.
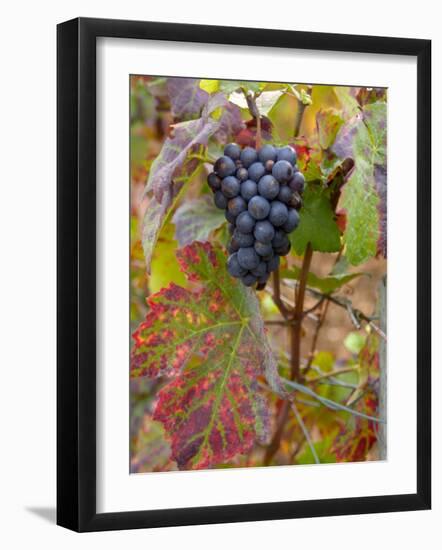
(233,151)
(249,279)
(296,201)
(292,221)
(267,152)
(262,281)
(236,205)
(263,249)
(245,223)
(268,187)
(283,250)
(248,258)
(233,246)
(280,239)
(220,200)
(242,174)
(287,153)
(282,171)
(224,167)
(297,183)
(230,187)
(233,266)
(256,171)
(264,231)
(285,194)
(248,189)
(261,270)
(248,156)
(214,182)
(278,214)
(231,218)
(258,207)
(244,240)
(273,264)
(268,257)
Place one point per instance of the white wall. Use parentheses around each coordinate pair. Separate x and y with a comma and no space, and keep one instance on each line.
(27,273)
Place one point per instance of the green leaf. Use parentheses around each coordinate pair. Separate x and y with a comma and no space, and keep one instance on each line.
(165,268)
(328,122)
(195,219)
(317,224)
(327,285)
(209,86)
(209,341)
(354,342)
(363,138)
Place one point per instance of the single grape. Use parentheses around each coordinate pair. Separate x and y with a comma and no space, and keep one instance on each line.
(233,246)
(260,270)
(248,258)
(269,165)
(267,152)
(248,189)
(231,218)
(256,171)
(285,194)
(297,183)
(264,231)
(263,249)
(233,151)
(244,240)
(282,171)
(262,281)
(268,257)
(287,153)
(280,239)
(214,182)
(259,207)
(233,266)
(296,201)
(249,279)
(224,167)
(273,264)
(248,156)
(230,187)
(283,250)
(242,174)
(292,221)
(278,214)
(220,200)
(236,205)
(245,223)
(268,187)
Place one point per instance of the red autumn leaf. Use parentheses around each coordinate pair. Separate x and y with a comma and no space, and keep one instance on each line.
(210,341)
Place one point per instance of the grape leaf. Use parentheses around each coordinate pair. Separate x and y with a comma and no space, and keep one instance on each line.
(186,97)
(195,219)
(164,265)
(186,135)
(363,138)
(328,122)
(327,285)
(212,408)
(152,222)
(317,224)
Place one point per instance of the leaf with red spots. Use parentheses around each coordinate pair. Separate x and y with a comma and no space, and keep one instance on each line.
(210,341)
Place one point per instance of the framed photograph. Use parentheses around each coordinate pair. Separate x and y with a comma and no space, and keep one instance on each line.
(243,274)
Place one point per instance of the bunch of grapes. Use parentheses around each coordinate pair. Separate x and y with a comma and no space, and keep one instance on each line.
(260,192)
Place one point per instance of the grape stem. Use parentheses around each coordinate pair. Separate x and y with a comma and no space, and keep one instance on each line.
(254,111)
(295,339)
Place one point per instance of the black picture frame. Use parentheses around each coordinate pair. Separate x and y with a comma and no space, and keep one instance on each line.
(76,274)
